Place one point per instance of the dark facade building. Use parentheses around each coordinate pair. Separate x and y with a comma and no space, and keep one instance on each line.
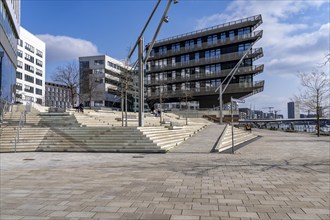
(57,95)
(293,110)
(192,65)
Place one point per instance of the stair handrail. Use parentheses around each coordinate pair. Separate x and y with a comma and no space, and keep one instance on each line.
(5,108)
(21,123)
(218,143)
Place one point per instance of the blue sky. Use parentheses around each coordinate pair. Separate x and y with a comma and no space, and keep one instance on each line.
(296,33)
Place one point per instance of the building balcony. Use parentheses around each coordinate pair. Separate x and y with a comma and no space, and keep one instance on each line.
(250,70)
(255,36)
(249,88)
(254,54)
(253,21)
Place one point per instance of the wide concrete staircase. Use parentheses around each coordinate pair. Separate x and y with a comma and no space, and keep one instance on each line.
(167,137)
(88,132)
(240,136)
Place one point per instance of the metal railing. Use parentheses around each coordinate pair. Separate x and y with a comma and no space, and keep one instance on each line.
(203,75)
(5,106)
(220,42)
(252,18)
(232,88)
(21,123)
(204,61)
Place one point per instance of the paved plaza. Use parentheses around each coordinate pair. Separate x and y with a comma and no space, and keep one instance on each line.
(278,176)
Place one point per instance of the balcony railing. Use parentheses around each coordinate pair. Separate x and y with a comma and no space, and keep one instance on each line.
(255,18)
(255,36)
(205,61)
(203,75)
(202,91)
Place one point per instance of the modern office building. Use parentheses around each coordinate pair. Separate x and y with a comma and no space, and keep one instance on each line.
(57,95)
(193,64)
(101,81)
(9,33)
(30,75)
(293,110)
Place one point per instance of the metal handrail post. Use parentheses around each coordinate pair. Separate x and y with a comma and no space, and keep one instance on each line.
(232,126)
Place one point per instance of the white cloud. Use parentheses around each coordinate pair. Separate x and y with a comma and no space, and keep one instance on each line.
(294,40)
(287,45)
(64,48)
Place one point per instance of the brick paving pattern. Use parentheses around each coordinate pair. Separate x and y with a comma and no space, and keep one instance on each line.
(279,176)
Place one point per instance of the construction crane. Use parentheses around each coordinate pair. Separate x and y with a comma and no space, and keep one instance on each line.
(275,111)
(270,109)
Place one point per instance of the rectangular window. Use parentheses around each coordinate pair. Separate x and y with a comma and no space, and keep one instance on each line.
(19,86)
(39,62)
(19,64)
(30,58)
(28,78)
(191,44)
(39,82)
(39,53)
(29,89)
(231,35)
(29,68)
(29,47)
(207,54)
(186,44)
(197,56)
(209,40)
(98,62)
(217,53)
(38,91)
(39,72)
(199,42)
(215,39)
(19,75)
(223,37)
(19,53)
(20,42)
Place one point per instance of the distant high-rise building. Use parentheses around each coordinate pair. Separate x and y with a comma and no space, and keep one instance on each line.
(194,64)
(9,33)
(31,62)
(293,110)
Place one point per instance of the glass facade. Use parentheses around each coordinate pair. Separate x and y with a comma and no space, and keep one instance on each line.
(8,68)
(7,26)
(8,79)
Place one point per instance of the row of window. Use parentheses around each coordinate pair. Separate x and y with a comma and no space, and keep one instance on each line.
(58,104)
(29,89)
(186,58)
(50,96)
(209,40)
(195,86)
(29,68)
(57,90)
(30,48)
(186,73)
(28,78)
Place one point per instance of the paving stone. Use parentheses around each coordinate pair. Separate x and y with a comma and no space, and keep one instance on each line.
(263,180)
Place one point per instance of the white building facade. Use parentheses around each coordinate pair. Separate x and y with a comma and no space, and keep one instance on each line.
(31,68)
(105,75)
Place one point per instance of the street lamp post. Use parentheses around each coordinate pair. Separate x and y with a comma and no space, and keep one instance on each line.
(142,60)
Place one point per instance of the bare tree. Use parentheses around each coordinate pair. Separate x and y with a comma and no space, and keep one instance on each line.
(68,75)
(91,85)
(314,95)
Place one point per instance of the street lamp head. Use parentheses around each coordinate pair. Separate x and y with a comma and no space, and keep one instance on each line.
(2,54)
(166,19)
(176,1)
